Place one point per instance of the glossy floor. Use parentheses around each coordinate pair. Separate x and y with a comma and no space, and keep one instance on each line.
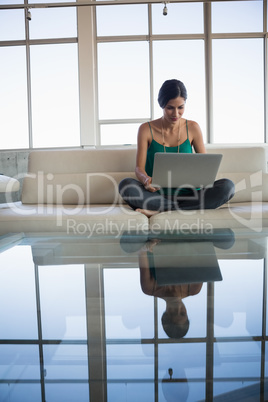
(169,317)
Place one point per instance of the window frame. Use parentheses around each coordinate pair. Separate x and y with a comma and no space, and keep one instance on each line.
(88,41)
(208,37)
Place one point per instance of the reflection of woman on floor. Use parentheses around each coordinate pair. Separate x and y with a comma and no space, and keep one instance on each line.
(174,320)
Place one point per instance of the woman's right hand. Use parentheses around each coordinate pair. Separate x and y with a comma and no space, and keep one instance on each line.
(148,185)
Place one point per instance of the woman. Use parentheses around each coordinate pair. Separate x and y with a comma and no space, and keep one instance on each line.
(170,133)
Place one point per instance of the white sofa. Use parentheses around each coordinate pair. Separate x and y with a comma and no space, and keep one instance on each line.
(76,192)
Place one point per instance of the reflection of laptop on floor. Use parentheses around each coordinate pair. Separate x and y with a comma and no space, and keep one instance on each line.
(185,170)
(184,262)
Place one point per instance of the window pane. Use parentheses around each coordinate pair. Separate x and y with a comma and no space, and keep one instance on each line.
(67,392)
(180,18)
(237,315)
(55,102)
(119,367)
(19,362)
(18,316)
(237,359)
(14,1)
(266,361)
(13,99)
(116,134)
(187,390)
(123,71)
(133,318)
(62,296)
(66,362)
(12,25)
(20,392)
(188,363)
(49,1)
(126,20)
(232,387)
(238,90)
(237,16)
(179,59)
(40,28)
(133,391)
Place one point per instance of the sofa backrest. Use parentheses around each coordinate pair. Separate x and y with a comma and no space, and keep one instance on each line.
(240,159)
(246,167)
(91,176)
(83,176)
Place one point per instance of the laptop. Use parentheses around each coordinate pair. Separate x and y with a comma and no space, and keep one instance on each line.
(174,170)
(185,262)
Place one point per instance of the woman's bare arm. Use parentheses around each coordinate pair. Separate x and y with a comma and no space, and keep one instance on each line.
(196,137)
(142,147)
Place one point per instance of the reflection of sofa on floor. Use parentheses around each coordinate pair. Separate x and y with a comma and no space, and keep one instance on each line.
(124,250)
(76,191)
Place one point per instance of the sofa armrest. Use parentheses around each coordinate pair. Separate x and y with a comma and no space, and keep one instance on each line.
(8,184)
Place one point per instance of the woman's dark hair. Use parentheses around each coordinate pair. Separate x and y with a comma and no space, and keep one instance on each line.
(172,330)
(171,89)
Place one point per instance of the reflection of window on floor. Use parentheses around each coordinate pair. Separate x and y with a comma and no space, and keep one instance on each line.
(43,331)
(221,353)
(53,343)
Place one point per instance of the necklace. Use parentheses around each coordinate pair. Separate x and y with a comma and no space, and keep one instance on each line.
(163,136)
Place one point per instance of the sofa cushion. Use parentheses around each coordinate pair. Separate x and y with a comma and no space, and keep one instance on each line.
(251,215)
(70,219)
(73,188)
(100,219)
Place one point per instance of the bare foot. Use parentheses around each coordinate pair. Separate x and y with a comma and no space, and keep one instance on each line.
(147,212)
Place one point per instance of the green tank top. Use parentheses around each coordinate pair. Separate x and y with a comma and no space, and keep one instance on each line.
(154,147)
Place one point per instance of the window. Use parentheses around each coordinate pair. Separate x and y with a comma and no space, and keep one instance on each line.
(39,78)
(118,134)
(127,20)
(13,99)
(92,74)
(124,67)
(55,103)
(237,16)
(238,90)
(123,80)
(136,304)
(62,299)
(180,19)
(179,59)
(123,88)
(190,385)
(40,29)
(19,319)
(12,25)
